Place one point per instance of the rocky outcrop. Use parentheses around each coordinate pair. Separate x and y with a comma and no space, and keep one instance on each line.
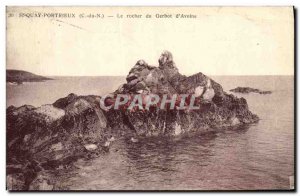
(217,108)
(53,136)
(249,90)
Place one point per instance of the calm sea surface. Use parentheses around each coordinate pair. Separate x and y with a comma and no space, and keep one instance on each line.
(259,156)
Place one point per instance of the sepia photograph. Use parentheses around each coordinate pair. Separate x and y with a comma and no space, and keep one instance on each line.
(158,98)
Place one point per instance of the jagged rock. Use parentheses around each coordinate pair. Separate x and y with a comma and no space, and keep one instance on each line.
(166,60)
(217,108)
(63,102)
(50,136)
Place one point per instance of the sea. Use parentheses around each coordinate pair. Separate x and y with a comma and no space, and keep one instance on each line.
(255,157)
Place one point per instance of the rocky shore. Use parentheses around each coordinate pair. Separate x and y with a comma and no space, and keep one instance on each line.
(52,137)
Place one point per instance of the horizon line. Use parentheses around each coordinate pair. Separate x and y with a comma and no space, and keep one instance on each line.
(187,74)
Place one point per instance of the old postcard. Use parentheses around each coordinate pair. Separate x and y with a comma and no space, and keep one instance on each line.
(150,98)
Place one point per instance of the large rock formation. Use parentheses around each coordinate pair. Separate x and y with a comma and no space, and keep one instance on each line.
(217,108)
(52,136)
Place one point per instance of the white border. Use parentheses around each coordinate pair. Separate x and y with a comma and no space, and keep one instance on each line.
(4,3)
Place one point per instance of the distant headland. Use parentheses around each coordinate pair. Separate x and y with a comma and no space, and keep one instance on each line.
(19,76)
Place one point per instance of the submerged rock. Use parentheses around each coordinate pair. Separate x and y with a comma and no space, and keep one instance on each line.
(73,127)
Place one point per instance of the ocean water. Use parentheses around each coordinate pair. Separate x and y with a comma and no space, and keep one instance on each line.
(39,93)
(259,156)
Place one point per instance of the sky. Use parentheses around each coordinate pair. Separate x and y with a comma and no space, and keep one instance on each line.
(219,41)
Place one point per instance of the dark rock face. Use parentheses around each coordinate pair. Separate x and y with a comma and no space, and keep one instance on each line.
(249,90)
(53,136)
(49,137)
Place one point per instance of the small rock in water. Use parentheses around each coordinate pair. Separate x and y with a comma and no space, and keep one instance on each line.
(249,90)
(91,147)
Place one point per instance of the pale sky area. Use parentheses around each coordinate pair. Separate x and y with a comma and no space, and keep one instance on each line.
(220,41)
